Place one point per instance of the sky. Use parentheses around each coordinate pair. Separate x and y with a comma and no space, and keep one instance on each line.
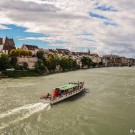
(102,26)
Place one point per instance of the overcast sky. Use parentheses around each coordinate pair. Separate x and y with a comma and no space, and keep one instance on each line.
(103,26)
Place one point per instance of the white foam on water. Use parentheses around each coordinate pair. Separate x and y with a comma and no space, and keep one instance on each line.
(48,108)
(30,108)
(13,111)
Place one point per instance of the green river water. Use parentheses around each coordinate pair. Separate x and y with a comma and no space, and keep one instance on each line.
(106,108)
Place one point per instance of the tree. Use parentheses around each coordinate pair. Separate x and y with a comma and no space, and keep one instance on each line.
(40,55)
(89,62)
(50,63)
(94,64)
(64,63)
(20,52)
(17,67)
(72,64)
(25,65)
(29,53)
(15,52)
(75,66)
(13,61)
(86,61)
(100,63)
(83,60)
(4,62)
(56,58)
(40,67)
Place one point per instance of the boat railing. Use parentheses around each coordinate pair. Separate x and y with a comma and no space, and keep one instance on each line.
(75,90)
(65,95)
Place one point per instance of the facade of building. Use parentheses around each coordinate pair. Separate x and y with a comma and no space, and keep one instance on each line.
(86,54)
(124,61)
(112,60)
(34,49)
(6,45)
(96,59)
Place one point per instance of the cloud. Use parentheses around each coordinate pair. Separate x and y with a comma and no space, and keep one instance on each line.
(110,23)
(3,27)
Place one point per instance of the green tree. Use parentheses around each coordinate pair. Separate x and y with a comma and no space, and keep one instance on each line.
(94,64)
(86,61)
(75,66)
(72,64)
(4,62)
(40,67)
(17,67)
(29,53)
(64,63)
(50,63)
(100,63)
(40,55)
(56,58)
(13,61)
(25,65)
(89,62)
(20,52)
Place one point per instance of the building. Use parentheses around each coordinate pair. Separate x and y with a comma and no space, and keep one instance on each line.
(112,60)
(86,54)
(96,59)
(94,55)
(124,61)
(63,51)
(6,45)
(34,49)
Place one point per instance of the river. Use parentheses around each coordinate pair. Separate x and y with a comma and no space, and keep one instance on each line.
(107,107)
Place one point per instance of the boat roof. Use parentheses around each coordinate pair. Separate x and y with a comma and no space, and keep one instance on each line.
(68,86)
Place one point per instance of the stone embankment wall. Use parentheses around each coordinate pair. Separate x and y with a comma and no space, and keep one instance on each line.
(31,61)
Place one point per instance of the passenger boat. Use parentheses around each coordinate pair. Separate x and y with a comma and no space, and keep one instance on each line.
(62,92)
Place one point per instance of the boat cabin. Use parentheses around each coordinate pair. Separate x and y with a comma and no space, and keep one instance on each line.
(64,89)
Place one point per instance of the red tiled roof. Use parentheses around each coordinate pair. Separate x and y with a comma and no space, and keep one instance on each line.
(30,47)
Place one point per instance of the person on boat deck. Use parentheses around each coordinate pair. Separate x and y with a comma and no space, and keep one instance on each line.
(48,95)
(59,93)
(55,92)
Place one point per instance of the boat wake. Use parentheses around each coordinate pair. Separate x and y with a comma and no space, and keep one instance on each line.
(15,115)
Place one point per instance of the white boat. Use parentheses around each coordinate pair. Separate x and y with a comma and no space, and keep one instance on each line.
(63,92)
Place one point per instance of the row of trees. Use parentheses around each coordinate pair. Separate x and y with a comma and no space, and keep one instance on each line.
(86,61)
(51,62)
(20,52)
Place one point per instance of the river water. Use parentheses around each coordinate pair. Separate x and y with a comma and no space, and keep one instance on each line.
(107,107)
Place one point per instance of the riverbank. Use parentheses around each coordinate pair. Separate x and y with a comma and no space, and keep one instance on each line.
(19,73)
(33,73)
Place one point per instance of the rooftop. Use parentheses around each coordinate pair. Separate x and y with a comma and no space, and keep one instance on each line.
(31,47)
(68,86)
